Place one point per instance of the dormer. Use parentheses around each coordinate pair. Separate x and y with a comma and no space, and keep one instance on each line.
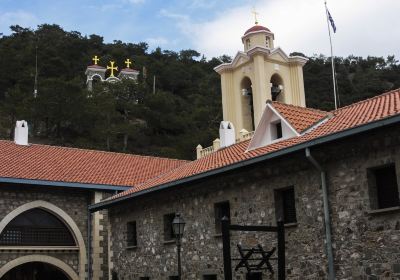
(258,36)
(282,121)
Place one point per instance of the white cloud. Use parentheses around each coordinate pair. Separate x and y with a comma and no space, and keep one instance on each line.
(157,41)
(175,16)
(136,1)
(202,4)
(364,27)
(21,18)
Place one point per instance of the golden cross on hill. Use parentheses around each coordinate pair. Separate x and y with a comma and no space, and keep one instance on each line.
(112,68)
(255,15)
(128,62)
(95,59)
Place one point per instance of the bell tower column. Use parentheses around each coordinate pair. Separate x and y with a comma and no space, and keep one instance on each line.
(261,93)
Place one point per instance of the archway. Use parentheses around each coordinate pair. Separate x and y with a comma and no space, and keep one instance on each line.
(31,265)
(276,88)
(62,215)
(247,104)
(35,271)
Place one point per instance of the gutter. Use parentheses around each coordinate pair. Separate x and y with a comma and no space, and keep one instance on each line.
(299,147)
(325,198)
(63,184)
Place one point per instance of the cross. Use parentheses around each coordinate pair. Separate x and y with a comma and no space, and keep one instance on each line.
(95,59)
(128,62)
(112,68)
(255,15)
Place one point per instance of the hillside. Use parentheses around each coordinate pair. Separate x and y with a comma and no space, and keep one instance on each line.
(184,111)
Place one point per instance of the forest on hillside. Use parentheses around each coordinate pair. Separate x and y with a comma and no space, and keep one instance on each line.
(185,109)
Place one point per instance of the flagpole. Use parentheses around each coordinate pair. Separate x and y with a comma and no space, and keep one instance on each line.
(332,58)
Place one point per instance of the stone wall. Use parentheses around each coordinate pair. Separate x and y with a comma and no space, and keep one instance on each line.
(366,246)
(73,202)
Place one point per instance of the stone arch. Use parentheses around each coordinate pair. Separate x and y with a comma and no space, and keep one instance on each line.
(40,258)
(246,91)
(277,87)
(59,213)
(96,76)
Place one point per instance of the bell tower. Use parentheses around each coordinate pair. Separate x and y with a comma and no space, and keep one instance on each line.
(259,73)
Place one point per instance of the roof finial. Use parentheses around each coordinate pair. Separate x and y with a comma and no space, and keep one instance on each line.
(95,59)
(128,62)
(112,68)
(255,15)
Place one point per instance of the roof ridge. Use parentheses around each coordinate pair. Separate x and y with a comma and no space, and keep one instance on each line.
(300,107)
(366,100)
(98,151)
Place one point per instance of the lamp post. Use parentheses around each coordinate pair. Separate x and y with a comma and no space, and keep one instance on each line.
(178,227)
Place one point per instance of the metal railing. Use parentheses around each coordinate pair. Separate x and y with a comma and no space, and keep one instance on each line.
(36,236)
(211,149)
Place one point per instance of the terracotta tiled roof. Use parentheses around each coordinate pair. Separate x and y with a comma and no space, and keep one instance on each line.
(96,66)
(299,117)
(256,28)
(370,110)
(50,163)
(128,70)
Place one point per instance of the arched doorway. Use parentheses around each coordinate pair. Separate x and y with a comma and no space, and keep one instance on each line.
(247,104)
(276,88)
(66,220)
(35,271)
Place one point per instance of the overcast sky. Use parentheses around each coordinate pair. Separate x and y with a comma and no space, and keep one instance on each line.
(214,27)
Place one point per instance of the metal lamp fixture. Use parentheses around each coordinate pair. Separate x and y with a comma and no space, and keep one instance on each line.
(178,227)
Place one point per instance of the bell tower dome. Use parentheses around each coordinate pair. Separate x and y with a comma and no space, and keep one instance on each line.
(259,73)
(258,36)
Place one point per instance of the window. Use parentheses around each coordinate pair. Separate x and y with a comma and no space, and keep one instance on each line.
(383,187)
(248,43)
(36,227)
(131,234)
(173,278)
(285,205)
(210,277)
(168,231)
(254,276)
(221,210)
(267,41)
(144,278)
(276,130)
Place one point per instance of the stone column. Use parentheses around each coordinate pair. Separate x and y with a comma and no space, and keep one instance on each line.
(97,238)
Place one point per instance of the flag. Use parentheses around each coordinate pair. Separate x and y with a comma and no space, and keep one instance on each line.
(331,20)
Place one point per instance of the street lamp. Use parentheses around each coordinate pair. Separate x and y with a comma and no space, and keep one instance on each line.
(178,227)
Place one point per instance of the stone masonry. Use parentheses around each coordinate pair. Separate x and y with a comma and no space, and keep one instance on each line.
(72,201)
(365,243)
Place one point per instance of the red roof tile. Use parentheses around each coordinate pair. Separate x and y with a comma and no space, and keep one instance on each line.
(256,28)
(96,66)
(299,117)
(50,163)
(373,109)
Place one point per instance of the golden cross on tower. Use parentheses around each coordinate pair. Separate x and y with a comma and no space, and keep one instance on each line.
(255,15)
(95,59)
(112,68)
(128,62)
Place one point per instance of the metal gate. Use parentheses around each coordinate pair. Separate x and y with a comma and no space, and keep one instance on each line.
(250,255)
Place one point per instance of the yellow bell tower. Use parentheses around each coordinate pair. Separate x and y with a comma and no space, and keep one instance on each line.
(259,73)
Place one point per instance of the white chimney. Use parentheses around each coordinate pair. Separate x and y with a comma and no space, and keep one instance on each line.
(226,134)
(21,133)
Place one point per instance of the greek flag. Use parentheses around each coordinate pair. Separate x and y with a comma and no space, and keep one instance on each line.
(331,20)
